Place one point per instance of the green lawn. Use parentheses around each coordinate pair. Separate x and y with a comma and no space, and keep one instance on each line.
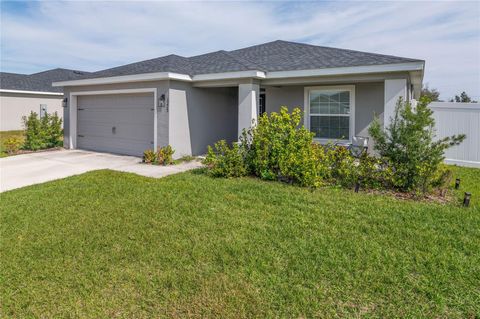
(6,134)
(108,244)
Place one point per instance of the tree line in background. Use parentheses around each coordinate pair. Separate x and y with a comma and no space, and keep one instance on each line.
(433,94)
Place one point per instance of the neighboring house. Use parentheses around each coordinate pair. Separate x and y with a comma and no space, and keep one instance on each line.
(192,102)
(21,94)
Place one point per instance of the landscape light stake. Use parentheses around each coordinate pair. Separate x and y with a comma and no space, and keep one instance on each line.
(357,186)
(466,199)
(457,183)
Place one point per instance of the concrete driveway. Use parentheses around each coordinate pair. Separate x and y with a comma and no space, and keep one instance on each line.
(28,169)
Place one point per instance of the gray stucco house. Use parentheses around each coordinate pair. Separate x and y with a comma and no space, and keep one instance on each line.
(192,102)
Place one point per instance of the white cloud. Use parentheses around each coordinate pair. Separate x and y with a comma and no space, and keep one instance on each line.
(95,35)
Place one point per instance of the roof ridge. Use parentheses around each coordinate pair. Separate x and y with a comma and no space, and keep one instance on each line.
(185,59)
(257,45)
(142,61)
(58,69)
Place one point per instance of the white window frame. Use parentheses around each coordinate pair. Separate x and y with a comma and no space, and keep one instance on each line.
(351,89)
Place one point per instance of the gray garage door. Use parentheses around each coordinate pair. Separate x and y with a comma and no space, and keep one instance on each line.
(120,123)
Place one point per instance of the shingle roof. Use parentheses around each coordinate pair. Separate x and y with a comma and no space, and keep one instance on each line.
(220,61)
(286,56)
(272,56)
(41,81)
(170,63)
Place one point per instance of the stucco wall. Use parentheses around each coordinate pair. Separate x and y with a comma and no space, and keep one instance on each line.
(369,100)
(290,96)
(14,106)
(201,116)
(162,114)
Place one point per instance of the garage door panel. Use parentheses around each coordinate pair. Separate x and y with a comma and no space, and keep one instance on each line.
(136,116)
(115,145)
(128,131)
(116,101)
(121,123)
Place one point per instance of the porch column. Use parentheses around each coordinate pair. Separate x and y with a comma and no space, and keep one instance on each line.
(248,95)
(394,89)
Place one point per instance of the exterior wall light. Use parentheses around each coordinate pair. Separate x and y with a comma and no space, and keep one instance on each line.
(65,102)
(161,101)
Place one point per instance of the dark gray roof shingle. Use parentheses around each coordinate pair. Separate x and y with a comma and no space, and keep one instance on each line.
(170,63)
(286,56)
(218,62)
(41,81)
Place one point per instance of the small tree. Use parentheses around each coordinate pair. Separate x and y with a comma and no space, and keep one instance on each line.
(33,132)
(408,143)
(433,94)
(42,133)
(462,98)
(55,131)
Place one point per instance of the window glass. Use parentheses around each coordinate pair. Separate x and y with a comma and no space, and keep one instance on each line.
(330,114)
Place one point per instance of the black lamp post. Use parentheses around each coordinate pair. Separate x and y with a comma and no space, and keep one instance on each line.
(457,183)
(466,199)
(357,186)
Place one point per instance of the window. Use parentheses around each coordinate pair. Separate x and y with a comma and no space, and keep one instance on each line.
(329,112)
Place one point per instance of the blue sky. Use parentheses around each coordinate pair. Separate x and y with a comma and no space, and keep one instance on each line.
(87,35)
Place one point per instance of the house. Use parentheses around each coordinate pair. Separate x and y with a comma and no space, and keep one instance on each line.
(192,102)
(21,94)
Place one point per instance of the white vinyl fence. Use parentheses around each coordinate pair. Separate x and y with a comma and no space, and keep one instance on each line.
(459,118)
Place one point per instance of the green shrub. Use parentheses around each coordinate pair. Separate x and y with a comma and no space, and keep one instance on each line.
(278,148)
(33,132)
(165,155)
(225,161)
(42,133)
(408,144)
(149,156)
(12,144)
(346,170)
(54,136)
(342,164)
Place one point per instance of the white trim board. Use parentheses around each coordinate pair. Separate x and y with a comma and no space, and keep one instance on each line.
(30,92)
(127,79)
(306,103)
(255,74)
(73,111)
(383,68)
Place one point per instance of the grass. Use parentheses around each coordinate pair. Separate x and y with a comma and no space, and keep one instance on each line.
(109,244)
(7,134)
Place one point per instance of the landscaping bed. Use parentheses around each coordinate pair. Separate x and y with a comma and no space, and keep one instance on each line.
(40,134)
(111,244)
